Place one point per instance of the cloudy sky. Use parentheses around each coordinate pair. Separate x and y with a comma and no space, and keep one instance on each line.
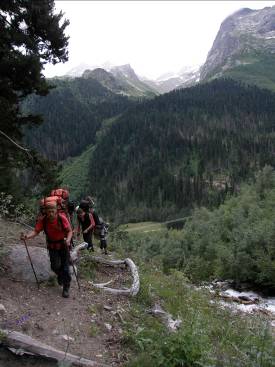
(154,37)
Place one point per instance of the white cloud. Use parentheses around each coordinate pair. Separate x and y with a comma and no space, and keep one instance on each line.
(153,36)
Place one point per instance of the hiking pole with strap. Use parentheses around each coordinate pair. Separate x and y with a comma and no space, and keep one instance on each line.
(25,243)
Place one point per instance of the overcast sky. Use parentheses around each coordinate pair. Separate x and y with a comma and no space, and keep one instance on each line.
(154,37)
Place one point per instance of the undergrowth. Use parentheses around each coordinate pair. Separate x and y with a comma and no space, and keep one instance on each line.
(209,335)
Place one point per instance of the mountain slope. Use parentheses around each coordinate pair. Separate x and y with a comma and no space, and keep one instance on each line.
(244,48)
(121,80)
(186,77)
(133,85)
(73,112)
(189,146)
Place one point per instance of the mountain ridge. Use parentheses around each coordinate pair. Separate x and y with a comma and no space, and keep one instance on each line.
(244,43)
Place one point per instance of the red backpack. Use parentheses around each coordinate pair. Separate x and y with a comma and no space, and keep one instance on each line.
(61,198)
(64,194)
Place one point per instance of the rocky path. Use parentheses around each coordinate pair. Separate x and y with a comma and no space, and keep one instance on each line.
(88,324)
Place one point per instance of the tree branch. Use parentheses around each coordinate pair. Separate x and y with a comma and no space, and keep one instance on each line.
(17,145)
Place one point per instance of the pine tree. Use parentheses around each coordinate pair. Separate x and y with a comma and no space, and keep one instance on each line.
(31,35)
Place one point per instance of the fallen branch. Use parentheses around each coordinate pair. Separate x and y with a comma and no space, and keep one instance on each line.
(241,299)
(166,317)
(17,340)
(101,285)
(133,290)
(75,252)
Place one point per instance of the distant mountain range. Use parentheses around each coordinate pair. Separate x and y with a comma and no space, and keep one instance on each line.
(126,81)
(121,80)
(244,49)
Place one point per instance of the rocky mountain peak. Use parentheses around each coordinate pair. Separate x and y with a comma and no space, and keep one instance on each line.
(241,33)
(98,73)
(126,71)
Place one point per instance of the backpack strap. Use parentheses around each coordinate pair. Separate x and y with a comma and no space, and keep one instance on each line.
(44,221)
(59,221)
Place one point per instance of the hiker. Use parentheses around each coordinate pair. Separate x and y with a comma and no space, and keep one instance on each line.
(101,231)
(58,233)
(101,228)
(87,224)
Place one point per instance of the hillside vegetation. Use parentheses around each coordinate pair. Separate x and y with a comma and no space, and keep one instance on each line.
(185,148)
(74,174)
(257,69)
(72,114)
(234,241)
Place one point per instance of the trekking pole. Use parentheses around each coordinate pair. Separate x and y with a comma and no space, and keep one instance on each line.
(25,243)
(76,277)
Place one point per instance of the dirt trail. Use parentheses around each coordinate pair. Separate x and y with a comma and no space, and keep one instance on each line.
(88,324)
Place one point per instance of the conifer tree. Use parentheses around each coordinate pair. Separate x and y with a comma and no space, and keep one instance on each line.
(31,35)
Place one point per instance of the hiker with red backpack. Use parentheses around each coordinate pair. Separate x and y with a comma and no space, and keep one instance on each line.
(58,236)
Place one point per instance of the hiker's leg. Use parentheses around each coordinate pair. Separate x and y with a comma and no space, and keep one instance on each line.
(65,266)
(87,237)
(55,261)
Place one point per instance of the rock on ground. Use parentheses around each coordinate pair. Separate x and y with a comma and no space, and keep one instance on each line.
(20,264)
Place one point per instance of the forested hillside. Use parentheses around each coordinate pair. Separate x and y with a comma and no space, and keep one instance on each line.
(72,114)
(189,147)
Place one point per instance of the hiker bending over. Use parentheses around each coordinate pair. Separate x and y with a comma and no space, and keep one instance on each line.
(58,235)
(87,224)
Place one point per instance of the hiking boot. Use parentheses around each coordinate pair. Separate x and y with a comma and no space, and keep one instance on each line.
(65,292)
(91,248)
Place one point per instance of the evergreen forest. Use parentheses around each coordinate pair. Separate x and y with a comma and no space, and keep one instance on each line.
(190,147)
(72,114)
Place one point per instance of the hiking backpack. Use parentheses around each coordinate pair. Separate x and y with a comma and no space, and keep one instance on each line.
(85,206)
(64,194)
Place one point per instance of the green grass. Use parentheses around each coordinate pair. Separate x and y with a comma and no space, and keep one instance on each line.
(209,335)
(259,70)
(74,174)
(142,227)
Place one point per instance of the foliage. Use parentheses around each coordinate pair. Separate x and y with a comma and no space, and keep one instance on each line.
(188,147)
(74,174)
(31,35)
(11,209)
(209,335)
(235,241)
(73,112)
(255,68)
(87,268)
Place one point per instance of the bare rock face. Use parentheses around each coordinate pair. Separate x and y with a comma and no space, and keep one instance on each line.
(241,33)
(20,264)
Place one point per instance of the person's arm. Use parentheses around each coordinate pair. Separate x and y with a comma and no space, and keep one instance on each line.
(29,235)
(92,225)
(69,237)
(37,229)
(68,232)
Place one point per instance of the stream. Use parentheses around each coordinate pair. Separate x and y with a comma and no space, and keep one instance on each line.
(245,301)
